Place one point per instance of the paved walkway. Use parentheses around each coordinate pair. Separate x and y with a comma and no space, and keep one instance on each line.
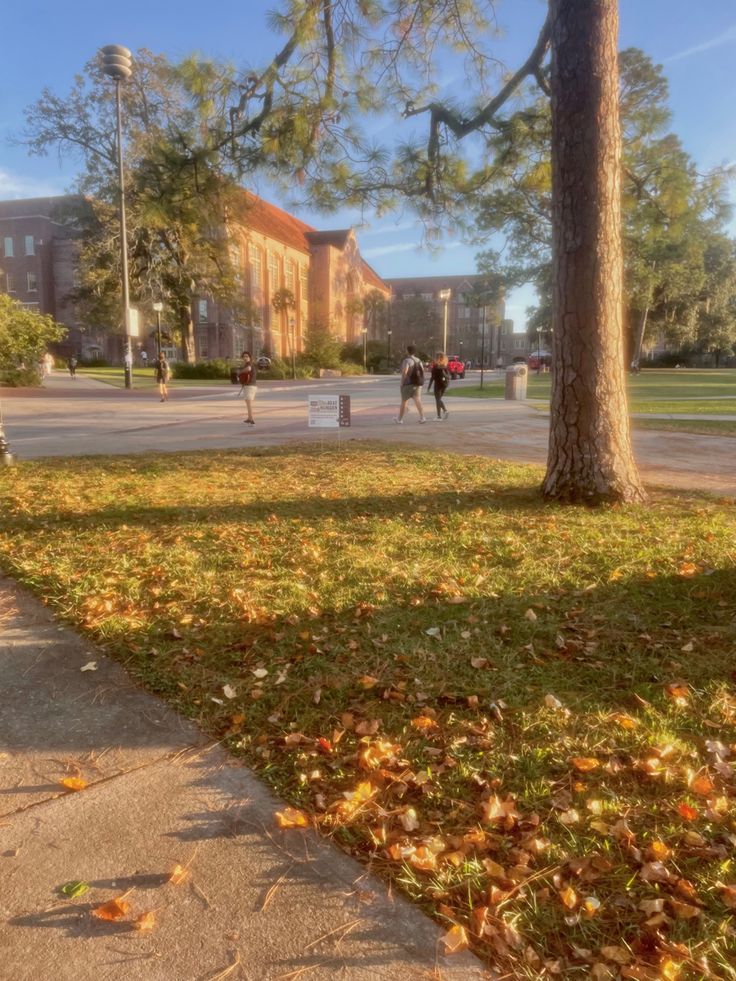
(83,417)
(269,904)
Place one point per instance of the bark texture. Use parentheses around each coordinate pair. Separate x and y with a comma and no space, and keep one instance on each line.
(590,457)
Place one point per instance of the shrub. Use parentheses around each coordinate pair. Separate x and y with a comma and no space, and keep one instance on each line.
(94,363)
(217,368)
(14,377)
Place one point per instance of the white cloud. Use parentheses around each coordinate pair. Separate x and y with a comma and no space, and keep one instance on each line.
(725,38)
(19,186)
(388,249)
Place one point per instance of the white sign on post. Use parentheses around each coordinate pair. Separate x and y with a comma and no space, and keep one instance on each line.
(328,411)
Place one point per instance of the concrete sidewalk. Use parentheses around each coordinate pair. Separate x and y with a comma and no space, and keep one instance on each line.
(257,904)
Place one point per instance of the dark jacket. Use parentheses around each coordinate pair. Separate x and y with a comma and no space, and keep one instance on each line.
(440,378)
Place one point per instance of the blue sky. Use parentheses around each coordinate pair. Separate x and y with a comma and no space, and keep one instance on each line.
(46,43)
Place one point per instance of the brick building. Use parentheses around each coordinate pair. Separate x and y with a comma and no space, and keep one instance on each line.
(272,250)
(466,322)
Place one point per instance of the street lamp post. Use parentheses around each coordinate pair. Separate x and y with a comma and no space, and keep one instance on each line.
(292,325)
(116,63)
(364,332)
(444,295)
(158,307)
(482,346)
(539,349)
(388,349)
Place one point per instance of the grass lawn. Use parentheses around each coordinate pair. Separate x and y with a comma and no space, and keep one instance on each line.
(692,391)
(522,714)
(143,378)
(708,427)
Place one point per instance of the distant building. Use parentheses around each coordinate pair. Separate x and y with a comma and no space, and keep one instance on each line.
(470,328)
(271,249)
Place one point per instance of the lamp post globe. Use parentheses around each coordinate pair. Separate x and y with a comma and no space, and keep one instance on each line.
(117,64)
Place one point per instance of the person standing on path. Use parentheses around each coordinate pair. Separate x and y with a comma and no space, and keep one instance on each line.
(72,365)
(144,358)
(247,378)
(412,379)
(161,373)
(440,379)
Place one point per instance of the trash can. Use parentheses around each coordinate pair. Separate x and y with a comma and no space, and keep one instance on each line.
(515,382)
(234,376)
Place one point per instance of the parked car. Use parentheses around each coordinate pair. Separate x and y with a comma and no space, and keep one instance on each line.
(456,367)
(263,363)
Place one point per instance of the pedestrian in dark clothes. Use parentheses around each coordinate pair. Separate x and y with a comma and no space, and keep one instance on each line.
(440,379)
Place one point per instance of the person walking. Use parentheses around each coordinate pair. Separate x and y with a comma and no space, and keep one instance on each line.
(72,365)
(162,373)
(144,358)
(247,378)
(412,379)
(440,379)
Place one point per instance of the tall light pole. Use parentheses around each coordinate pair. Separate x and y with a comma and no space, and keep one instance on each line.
(158,307)
(482,345)
(539,349)
(117,64)
(292,325)
(388,349)
(445,296)
(364,332)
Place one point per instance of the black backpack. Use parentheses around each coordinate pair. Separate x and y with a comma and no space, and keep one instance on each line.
(416,373)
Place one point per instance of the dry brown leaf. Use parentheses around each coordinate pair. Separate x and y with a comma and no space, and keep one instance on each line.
(291,817)
(456,939)
(687,812)
(619,955)
(114,910)
(683,911)
(423,723)
(584,764)
(146,921)
(569,897)
(702,785)
(178,875)
(728,894)
(73,783)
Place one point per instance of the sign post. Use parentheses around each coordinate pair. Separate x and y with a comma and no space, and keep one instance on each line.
(328,412)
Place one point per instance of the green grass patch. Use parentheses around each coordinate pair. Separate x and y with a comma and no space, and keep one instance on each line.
(143,378)
(706,427)
(523,714)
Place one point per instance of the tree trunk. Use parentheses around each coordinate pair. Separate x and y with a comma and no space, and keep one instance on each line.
(590,457)
(636,357)
(186,326)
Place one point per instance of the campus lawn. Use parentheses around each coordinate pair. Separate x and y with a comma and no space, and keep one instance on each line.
(143,378)
(706,427)
(691,391)
(522,714)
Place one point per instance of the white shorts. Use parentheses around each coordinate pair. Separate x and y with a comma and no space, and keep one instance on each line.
(249,393)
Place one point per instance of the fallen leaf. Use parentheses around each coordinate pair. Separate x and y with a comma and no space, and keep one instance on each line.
(687,812)
(456,939)
(728,894)
(75,888)
(114,910)
(367,681)
(687,569)
(424,723)
(479,662)
(178,875)
(650,906)
(552,702)
(654,872)
(73,783)
(409,820)
(530,615)
(619,955)
(702,785)
(433,632)
(569,897)
(89,666)
(683,911)
(228,691)
(291,817)
(570,816)
(258,673)
(146,921)
(584,764)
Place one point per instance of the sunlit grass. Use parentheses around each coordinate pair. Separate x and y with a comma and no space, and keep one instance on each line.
(532,703)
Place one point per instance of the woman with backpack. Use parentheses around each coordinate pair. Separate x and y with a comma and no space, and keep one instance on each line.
(412,379)
(440,378)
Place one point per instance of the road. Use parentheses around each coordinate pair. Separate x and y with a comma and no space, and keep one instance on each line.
(68,418)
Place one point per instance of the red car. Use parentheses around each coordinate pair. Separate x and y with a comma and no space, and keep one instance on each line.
(456,367)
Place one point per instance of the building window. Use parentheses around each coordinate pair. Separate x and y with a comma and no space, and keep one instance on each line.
(256,269)
(273,273)
(427,296)
(30,245)
(289,276)
(303,283)
(202,344)
(9,283)
(8,245)
(202,307)
(32,282)
(30,306)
